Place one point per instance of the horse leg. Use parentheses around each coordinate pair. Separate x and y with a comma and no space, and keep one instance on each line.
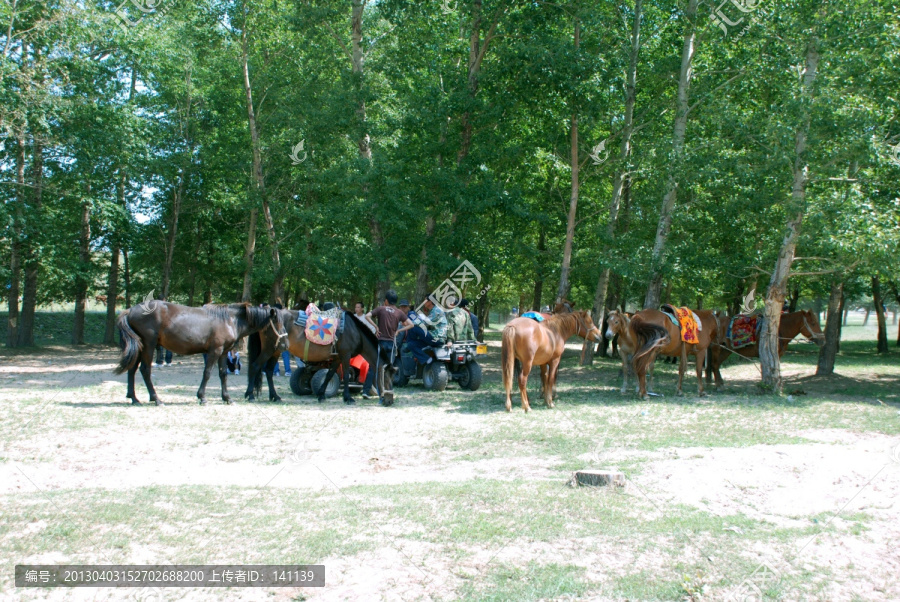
(345,366)
(642,382)
(701,358)
(320,394)
(550,387)
(131,393)
(270,373)
(223,376)
(682,366)
(625,367)
(212,359)
(545,376)
(146,361)
(523,385)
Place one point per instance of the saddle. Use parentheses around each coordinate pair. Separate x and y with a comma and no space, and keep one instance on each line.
(534,316)
(743,330)
(686,320)
(324,327)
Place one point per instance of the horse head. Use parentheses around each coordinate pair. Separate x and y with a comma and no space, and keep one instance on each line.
(811,329)
(586,327)
(616,323)
(276,321)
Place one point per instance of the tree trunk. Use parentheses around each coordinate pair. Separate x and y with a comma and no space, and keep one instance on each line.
(12,333)
(422,274)
(896,292)
(112,289)
(564,285)
(249,254)
(828,353)
(31,254)
(879,313)
(258,177)
(81,279)
(657,258)
(769,342)
(795,299)
(538,294)
(846,313)
(843,322)
(127,277)
(866,318)
(622,171)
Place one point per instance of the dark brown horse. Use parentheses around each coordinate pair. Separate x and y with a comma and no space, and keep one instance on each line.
(792,324)
(657,334)
(541,344)
(356,339)
(211,329)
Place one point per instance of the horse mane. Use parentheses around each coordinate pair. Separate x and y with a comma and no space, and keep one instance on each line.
(246,313)
(556,322)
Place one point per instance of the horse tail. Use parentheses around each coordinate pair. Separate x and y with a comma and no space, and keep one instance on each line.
(254,348)
(508,356)
(130,343)
(649,338)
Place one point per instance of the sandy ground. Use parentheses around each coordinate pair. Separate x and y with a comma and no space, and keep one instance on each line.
(834,475)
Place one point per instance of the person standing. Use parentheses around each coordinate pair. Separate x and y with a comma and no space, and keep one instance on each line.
(387,320)
(360,312)
(464,304)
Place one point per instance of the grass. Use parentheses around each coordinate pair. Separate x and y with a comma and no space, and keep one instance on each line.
(444,496)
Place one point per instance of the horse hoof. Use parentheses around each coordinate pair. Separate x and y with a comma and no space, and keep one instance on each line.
(350,401)
(227,402)
(157,402)
(203,402)
(135,402)
(388,399)
(275,399)
(321,400)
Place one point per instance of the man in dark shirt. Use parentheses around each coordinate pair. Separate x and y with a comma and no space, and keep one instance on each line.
(387,322)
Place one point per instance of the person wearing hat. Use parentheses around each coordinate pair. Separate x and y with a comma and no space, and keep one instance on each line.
(459,323)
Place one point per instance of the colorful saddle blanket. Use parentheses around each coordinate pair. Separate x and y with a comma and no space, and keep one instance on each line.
(686,320)
(323,328)
(533,315)
(743,330)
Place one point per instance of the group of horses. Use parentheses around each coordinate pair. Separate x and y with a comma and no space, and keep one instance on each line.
(641,337)
(215,329)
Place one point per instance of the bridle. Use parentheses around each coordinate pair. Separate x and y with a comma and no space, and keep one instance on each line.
(815,336)
(583,324)
(275,330)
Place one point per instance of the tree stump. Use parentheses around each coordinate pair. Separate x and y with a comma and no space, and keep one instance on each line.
(598,478)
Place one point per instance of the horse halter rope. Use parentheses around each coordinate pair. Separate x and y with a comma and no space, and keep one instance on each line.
(583,324)
(815,335)
(277,334)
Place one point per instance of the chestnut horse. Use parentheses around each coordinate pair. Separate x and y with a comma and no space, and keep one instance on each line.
(656,334)
(541,344)
(211,329)
(792,324)
(619,324)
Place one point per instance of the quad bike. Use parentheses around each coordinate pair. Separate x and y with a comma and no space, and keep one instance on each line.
(457,362)
(307,378)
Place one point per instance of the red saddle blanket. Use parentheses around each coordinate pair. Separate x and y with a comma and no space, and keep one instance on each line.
(743,330)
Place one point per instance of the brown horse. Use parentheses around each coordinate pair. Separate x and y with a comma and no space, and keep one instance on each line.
(356,339)
(211,329)
(619,324)
(541,344)
(792,324)
(656,334)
